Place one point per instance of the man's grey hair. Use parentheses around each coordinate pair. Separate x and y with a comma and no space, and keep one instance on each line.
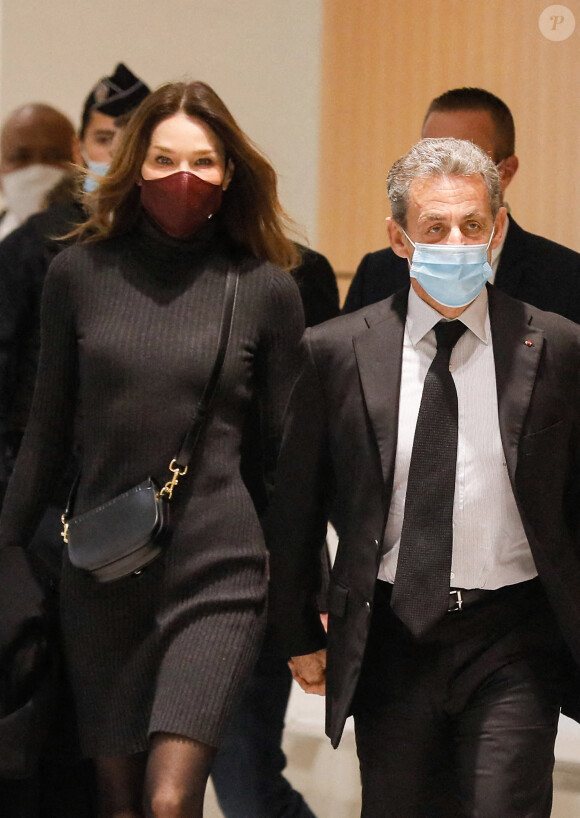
(440,157)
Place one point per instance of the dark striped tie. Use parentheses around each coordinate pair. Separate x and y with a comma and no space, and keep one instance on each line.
(421,592)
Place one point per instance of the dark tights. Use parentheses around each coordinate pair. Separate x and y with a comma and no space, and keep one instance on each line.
(167,782)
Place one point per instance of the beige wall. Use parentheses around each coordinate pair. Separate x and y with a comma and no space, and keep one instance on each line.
(385,60)
(261,56)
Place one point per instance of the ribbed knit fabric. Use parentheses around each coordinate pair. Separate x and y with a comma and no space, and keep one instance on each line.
(130,330)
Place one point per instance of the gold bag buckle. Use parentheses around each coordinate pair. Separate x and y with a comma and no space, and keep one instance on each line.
(177,471)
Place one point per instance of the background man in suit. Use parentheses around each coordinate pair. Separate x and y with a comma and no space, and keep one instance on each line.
(454,600)
(526,266)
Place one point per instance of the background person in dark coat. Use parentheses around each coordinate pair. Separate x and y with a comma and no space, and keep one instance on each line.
(247,772)
(26,253)
(54,779)
(526,266)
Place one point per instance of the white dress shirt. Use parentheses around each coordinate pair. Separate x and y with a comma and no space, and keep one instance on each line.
(490,548)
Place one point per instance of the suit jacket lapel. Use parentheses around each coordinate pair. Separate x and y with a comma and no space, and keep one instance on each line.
(378,352)
(517,348)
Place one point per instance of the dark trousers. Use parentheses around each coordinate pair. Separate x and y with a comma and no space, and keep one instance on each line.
(247,771)
(462,724)
(55,791)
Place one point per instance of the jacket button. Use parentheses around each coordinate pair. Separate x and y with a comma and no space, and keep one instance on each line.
(368,606)
(376,542)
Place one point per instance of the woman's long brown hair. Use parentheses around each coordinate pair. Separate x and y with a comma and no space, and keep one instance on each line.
(250,210)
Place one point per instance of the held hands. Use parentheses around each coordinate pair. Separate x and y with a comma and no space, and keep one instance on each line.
(310,671)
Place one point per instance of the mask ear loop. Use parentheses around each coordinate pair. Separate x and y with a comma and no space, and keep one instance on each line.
(409,239)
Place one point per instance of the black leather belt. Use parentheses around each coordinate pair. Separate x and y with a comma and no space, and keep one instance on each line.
(462,598)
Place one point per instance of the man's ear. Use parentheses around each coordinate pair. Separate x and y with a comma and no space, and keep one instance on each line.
(507,171)
(499,228)
(399,244)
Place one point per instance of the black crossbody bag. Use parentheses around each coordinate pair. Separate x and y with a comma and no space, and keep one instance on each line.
(123,535)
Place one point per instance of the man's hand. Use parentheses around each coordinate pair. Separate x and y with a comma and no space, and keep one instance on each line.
(310,671)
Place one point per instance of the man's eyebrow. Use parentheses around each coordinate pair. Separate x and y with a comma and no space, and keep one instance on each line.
(431,217)
(434,216)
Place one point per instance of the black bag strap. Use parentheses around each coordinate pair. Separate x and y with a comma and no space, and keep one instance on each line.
(180,463)
(204,404)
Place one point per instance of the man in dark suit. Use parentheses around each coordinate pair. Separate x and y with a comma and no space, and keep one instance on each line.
(454,600)
(526,266)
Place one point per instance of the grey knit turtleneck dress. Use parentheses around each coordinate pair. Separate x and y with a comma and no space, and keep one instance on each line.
(129,336)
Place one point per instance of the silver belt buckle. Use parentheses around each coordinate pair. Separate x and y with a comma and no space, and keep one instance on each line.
(457,603)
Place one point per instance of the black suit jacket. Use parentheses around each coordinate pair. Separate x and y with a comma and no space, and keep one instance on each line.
(339,452)
(25,256)
(530,268)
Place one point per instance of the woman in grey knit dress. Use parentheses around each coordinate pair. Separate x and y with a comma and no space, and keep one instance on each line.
(130,325)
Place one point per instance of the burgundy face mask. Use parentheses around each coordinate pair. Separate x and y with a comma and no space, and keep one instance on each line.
(180,203)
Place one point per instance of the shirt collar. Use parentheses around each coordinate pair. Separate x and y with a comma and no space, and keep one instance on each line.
(421,317)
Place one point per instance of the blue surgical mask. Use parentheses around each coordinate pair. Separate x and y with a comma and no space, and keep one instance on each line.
(452,274)
(96,169)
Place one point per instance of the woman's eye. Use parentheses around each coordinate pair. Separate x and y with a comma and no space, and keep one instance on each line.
(163,160)
(204,161)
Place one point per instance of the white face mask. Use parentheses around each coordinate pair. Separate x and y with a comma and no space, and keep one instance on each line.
(25,189)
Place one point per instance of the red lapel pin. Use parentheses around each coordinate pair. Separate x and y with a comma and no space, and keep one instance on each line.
(528,343)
